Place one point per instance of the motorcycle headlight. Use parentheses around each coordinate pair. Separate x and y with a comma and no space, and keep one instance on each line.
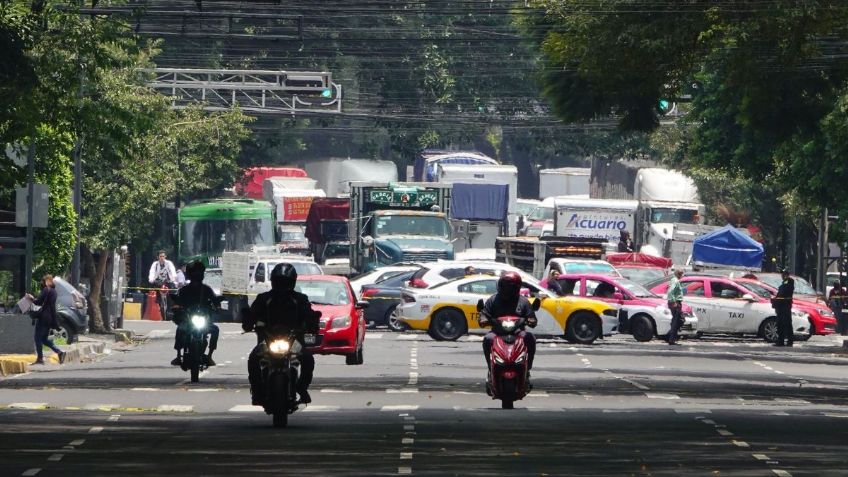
(499,360)
(508,325)
(279,346)
(340,322)
(198,321)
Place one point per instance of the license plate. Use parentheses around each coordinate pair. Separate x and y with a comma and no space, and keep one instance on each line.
(309,339)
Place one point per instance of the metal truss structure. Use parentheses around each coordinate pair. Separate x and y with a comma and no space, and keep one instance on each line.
(253,91)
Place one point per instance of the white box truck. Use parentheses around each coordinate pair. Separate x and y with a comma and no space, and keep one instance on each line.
(486,174)
(334,175)
(563,181)
(595,218)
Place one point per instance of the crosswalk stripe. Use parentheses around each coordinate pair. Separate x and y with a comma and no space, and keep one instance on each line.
(174,408)
(246,408)
(373,336)
(400,407)
(311,408)
(100,407)
(28,405)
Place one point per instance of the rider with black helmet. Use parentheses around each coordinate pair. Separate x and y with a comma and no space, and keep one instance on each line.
(195,295)
(282,307)
(508,302)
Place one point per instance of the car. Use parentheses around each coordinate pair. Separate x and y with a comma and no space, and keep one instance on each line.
(639,267)
(647,314)
(342,324)
(379,274)
(726,306)
(71,311)
(822,319)
(641,274)
(539,228)
(803,289)
(433,273)
(567,266)
(383,298)
(449,309)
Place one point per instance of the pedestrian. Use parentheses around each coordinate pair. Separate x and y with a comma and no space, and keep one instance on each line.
(836,301)
(181,278)
(46,319)
(162,275)
(782,304)
(625,243)
(674,296)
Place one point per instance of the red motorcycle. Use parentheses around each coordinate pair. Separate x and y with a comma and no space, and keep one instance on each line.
(508,362)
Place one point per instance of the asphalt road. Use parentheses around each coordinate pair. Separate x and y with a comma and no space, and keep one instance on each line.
(713,407)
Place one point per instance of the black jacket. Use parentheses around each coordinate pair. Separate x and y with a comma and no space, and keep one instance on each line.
(783,298)
(47,300)
(496,307)
(284,309)
(625,245)
(195,295)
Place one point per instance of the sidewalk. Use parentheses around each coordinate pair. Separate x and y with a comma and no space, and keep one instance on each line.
(87,349)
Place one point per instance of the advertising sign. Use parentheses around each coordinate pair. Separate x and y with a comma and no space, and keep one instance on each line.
(295,209)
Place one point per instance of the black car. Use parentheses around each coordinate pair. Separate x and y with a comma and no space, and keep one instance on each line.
(384,297)
(72,311)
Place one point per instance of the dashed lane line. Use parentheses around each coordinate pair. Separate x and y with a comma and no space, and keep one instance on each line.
(31,472)
(781,473)
(95,430)
(55,457)
(661,396)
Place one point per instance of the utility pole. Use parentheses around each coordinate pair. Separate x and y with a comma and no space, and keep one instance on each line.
(30,207)
(823,252)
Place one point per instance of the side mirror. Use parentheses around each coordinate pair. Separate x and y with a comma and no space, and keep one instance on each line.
(748,297)
(480,305)
(618,296)
(361,305)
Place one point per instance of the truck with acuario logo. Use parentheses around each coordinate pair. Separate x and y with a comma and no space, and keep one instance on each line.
(595,218)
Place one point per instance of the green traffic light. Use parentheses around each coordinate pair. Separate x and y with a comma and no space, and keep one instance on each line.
(664,104)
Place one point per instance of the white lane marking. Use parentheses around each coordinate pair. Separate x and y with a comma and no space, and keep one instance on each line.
(245,408)
(708,421)
(409,427)
(724,432)
(32,406)
(407,337)
(402,391)
(469,393)
(404,470)
(374,336)
(407,441)
(95,430)
(778,413)
(661,396)
(31,472)
(405,455)
(55,457)
(311,408)
(77,442)
(693,411)
(635,384)
(400,407)
(204,390)
(779,372)
(474,338)
(174,408)
(740,443)
(335,391)
(145,389)
(791,401)
(408,418)
(157,333)
(413,378)
(618,411)
(101,407)
(539,394)
(781,473)
(114,418)
(760,456)
(832,414)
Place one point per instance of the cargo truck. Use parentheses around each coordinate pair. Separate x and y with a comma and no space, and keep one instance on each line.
(401,222)
(595,218)
(563,181)
(533,254)
(334,175)
(487,174)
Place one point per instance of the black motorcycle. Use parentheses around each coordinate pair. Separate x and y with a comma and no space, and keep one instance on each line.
(279,365)
(195,325)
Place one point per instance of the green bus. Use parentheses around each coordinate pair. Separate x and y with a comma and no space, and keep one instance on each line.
(208,227)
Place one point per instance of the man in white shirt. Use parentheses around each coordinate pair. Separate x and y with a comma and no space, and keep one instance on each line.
(162,273)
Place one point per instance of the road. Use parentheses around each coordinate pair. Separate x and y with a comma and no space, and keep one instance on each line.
(710,407)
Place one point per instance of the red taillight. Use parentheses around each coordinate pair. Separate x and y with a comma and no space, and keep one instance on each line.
(368,292)
(418,283)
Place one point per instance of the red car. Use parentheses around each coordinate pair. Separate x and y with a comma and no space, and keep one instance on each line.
(822,320)
(342,320)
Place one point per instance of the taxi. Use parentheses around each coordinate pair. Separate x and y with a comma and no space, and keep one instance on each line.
(448,310)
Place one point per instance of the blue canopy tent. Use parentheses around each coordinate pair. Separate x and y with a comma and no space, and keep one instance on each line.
(728,246)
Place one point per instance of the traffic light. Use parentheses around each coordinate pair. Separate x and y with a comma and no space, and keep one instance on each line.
(666,107)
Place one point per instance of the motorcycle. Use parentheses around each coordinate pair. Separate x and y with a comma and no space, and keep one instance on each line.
(279,366)
(195,341)
(508,361)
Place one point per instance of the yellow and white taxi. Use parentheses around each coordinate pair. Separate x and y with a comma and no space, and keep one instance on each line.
(449,309)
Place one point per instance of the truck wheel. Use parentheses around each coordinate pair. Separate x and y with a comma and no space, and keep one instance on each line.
(583,327)
(448,325)
(642,328)
(768,330)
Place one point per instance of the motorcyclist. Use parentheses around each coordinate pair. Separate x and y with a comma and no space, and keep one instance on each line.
(281,307)
(194,294)
(508,302)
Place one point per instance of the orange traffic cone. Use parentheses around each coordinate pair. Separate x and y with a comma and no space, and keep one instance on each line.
(151,307)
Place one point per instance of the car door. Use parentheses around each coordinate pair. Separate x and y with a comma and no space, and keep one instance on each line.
(726,308)
(744,314)
(601,290)
(695,295)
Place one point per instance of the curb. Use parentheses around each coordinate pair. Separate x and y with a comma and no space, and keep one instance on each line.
(77,353)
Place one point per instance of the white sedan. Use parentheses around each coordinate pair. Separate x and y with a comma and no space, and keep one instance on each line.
(449,309)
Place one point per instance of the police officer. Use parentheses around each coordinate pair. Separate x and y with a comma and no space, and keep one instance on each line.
(782,304)
(195,294)
(285,309)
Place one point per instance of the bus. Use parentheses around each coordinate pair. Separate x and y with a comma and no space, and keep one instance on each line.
(208,227)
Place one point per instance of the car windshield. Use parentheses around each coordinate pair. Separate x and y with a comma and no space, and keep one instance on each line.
(292,235)
(324,292)
(589,267)
(302,268)
(525,208)
(641,275)
(430,226)
(668,215)
(211,237)
(756,289)
(541,213)
(635,289)
(802,287)
(336,250)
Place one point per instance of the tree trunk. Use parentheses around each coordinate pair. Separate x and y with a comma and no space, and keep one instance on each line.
(96,291)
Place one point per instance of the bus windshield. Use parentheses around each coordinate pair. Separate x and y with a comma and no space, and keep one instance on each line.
(212,237)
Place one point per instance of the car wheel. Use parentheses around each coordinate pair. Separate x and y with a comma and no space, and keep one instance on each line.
(394,322)
(768,330)
(65,333)
(448,325)
(642,328)
(583,328)
(355,358)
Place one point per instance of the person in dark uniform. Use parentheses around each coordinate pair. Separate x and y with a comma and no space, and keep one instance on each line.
(282,306)
(782,304)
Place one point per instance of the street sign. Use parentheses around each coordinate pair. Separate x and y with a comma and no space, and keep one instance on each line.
(40,206)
